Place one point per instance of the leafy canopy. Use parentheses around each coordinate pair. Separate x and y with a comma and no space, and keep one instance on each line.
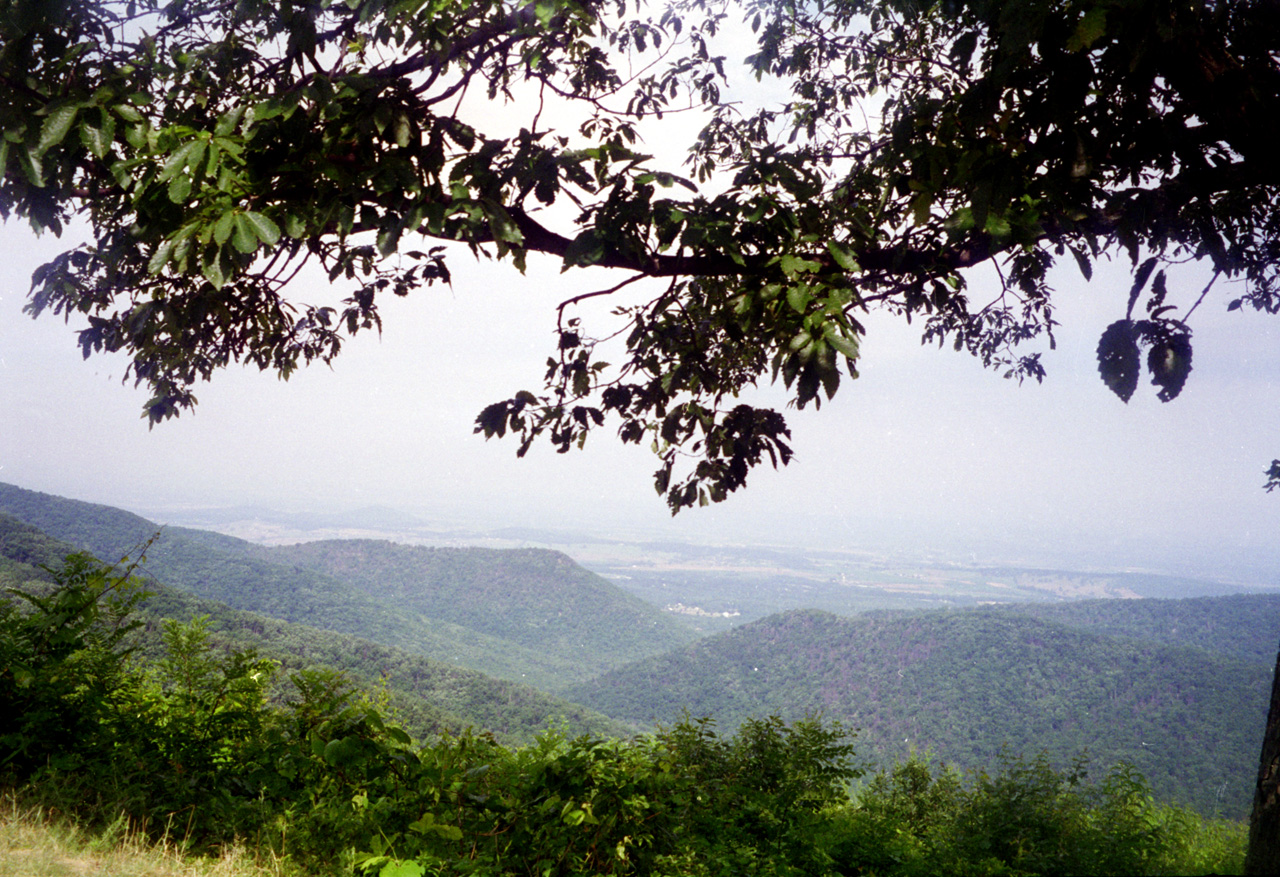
(216,147)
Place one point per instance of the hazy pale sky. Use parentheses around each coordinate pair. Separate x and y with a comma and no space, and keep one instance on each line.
(925,450)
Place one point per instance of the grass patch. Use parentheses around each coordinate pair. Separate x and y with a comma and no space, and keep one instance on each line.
(35,843)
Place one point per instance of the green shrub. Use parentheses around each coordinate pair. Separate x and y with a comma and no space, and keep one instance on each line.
(1027,818)
(62,667)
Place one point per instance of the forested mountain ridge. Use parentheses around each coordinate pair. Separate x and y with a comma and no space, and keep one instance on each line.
(611,629)
(1240,625)
(967,684)
(430,696)
(539,598)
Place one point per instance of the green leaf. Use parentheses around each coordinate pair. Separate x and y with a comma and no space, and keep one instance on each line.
(228,121)
(404,869)
(346,219)
(55,128)
(585,249)
(294,227)
(830,379)
(161,256)
(793,265)
(223,227)
(798,297)
(1118,359)
(1139,280)
(31,167)
(1170,363)
(137,136)
(492,421)
(180,189)
(402,130)
(1092,27)
(389,240)
(216,268)
(243,237)
(462,134)
(503,229)
(846,345)
(843,256)
(1084,263)
(997,226)
(921,208)
(961,220)
(98,140)
(265,229)
(195,155)
(177,160)
(182,244)
(128,113)
(545,11)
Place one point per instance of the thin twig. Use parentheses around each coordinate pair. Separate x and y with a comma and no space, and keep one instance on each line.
(610,291)
(1203,293)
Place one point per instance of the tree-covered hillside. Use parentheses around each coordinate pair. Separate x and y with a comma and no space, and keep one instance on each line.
(24,549)
(538,598)
(967,684)
(1241,625)
(533,617)
(429,696)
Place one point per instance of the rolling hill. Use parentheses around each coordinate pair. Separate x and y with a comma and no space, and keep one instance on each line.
(528,616)
(429,696)
(538,598)
(967,684)
(1240,625)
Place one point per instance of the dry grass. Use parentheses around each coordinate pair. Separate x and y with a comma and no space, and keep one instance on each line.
(32,845)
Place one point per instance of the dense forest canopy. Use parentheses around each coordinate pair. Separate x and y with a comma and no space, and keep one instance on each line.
(217,148)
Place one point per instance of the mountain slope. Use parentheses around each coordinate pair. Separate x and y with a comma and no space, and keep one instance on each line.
(430,696)
(548,645)
(966,684)
(1239,625)
(535,597)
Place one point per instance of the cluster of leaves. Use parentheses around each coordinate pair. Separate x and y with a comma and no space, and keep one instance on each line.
(329,783)
(218,148)
(1168,341)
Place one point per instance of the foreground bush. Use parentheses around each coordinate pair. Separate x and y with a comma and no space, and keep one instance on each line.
(1026,819)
